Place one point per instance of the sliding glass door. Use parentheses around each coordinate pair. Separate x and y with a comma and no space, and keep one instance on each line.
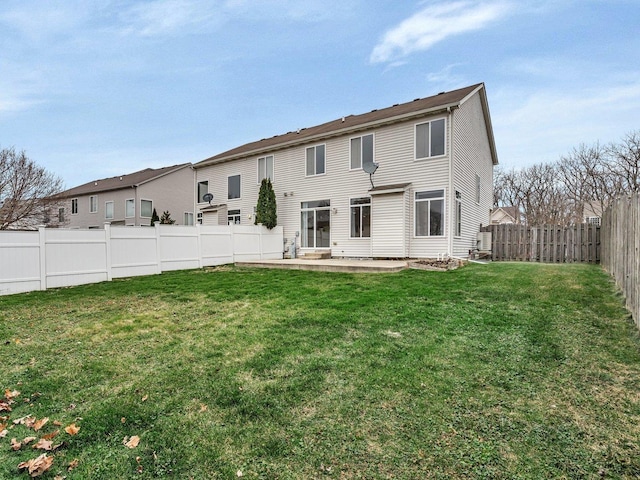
(315,224)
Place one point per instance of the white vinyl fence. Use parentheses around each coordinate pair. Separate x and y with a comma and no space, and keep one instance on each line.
(49,258)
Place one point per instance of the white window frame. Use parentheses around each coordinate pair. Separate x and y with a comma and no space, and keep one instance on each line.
(315,160)
(74,206)
(93,204)
(440,197)
(141,211)
(129,202)
(458,214)
(199,217)
(263,170)
(202,182)
(373,150)
(239,197)
(358,207)
(188,218)
(430,143)
(106,210)
(234,216)
(61,215)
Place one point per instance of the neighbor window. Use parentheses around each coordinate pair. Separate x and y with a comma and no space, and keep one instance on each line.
(74,206)
(203,189)
(361,151)
(146,208)
(360,217)
(315,160)
(430,139)
(61,214)
(477,188)
(429,213)
(93,203)
(265,168)
(188,218)
(108,210)
(458,213)
(233,217)
(233,187)
(199,218)
(130,208)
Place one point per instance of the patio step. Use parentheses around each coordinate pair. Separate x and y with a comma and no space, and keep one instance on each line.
(316,255)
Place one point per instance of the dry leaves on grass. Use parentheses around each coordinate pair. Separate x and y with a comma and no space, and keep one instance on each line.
(72,429)
(131,442)
(37,466)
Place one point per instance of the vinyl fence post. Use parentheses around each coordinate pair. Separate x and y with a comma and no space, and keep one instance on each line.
(43,257)
(107,243)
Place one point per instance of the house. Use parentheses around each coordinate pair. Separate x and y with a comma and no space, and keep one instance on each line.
(130,199)
(592,212)
(501,215)
(411,180)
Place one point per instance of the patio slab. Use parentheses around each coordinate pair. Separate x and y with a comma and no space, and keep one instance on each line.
(331,265)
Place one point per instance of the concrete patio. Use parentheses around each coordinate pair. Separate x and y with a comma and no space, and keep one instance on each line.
(331,265)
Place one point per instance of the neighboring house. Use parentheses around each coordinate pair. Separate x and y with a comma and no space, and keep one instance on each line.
(592,212)
(33,213)
(433,185)
(130,199)
(505,215)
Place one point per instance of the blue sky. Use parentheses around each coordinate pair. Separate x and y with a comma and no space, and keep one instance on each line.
(93,89)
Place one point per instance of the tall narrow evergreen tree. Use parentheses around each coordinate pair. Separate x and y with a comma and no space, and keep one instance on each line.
(154,218)
(267,210)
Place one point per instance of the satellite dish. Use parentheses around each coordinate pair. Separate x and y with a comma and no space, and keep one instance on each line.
(207,197)
(370,168)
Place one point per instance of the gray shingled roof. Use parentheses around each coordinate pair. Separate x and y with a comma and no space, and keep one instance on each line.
(122,181)
(346,124)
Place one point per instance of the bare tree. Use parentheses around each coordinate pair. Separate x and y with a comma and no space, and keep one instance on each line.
(26,190)
(625,163)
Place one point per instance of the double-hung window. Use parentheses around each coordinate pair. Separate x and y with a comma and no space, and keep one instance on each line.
(361,151)
(233,187)
(93,203)
(265,168)
(146,208)
(108,210)
(316,160)
(61,214)
(233,217)
(203,189)
(188,218)
(74,206)
(429,213)
(130,208)
(430,139)
(360,217)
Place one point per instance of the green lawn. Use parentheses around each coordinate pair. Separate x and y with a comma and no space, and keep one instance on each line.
(490,371)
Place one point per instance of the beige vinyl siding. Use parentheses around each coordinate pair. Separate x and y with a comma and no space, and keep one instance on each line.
(472,156)
(387,225)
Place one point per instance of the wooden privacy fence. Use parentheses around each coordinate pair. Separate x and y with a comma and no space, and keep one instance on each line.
(621,249)
(547,243)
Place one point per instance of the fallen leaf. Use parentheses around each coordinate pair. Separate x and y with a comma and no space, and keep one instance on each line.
(123,420)
(4,432)
(132,442)
(203,408)
(37,466)
(29,421)
(43,444)
(59,477)
(60,445)
(144,399)
(4,405)
(239,473)
(22,420)
(9,394)
(15,444)
(51,435)
(73,464)
(40,423)
(28,440)
(57,423)
(72,429)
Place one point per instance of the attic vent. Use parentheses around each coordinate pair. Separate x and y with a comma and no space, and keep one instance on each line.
(441,93)
(374,110)
(396,104)
(416,99)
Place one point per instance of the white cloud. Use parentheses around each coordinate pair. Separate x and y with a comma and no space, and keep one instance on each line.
(434,24)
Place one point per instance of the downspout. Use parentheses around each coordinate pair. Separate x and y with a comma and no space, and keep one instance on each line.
(450,193)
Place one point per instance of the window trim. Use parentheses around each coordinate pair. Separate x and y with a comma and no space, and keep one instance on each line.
(61,218)
(74,203)
(239,197)
(359,206)
(185,217)
(415,139)
(428,200)
(373,150)
(146,200)
(106,210)
(457,214)
(315,160)
(93,202)
(198,197)
(273,163)
(232,213)
(130,201)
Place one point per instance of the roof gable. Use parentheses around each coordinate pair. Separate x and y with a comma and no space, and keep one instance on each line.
(353,123)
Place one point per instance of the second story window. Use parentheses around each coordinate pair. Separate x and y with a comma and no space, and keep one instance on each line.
(361,151)
(93,203)
(315,160)
(233,187)
(108,210)
(130,208)
(61,214)
(203,189)
(430,139)
(265,168)
(74,206)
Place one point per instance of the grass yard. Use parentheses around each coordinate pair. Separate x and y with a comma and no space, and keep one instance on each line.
(501,371)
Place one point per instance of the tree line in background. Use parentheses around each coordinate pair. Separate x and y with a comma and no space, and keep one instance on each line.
(578,185)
